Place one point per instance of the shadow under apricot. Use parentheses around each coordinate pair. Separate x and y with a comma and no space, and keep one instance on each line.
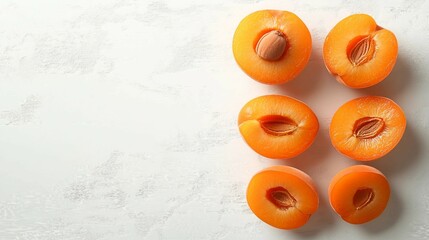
(314,157)
(400,79)
(322,220)
(404,156)
(307,82)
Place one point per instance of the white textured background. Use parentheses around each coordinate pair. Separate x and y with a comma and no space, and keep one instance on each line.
(118,120)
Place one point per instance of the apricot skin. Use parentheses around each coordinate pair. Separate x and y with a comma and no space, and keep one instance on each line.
(300,126)
(296,54)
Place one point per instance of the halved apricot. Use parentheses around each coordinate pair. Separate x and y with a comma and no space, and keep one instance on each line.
(272,46)
(359,52)
(277,126)
(283,197)
(359,193)
(367,128)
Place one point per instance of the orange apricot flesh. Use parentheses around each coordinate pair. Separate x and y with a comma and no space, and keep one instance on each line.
(367,128)
(282,196)
(272,46)
(277,126)
(359,52)
(359,193)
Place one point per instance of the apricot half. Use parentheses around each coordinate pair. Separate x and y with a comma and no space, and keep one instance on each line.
(282,196)
(367,128)
(359,52)
(277,126)
(359,193)
(272,46)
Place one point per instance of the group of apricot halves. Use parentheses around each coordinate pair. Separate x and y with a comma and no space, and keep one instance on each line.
(273,47)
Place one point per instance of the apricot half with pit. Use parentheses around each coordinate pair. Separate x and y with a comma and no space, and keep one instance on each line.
(367,128)
(359,52)
(277,126)
(272,46)
(282,196)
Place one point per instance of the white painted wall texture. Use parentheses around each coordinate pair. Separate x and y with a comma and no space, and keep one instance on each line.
(118,121)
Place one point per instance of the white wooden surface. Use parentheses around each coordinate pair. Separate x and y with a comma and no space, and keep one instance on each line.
(118,120)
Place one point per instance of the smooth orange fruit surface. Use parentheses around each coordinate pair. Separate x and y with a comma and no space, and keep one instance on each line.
(282,196)
(272,46)
(277,126)
(359,193)
(360,53)
(367,128)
